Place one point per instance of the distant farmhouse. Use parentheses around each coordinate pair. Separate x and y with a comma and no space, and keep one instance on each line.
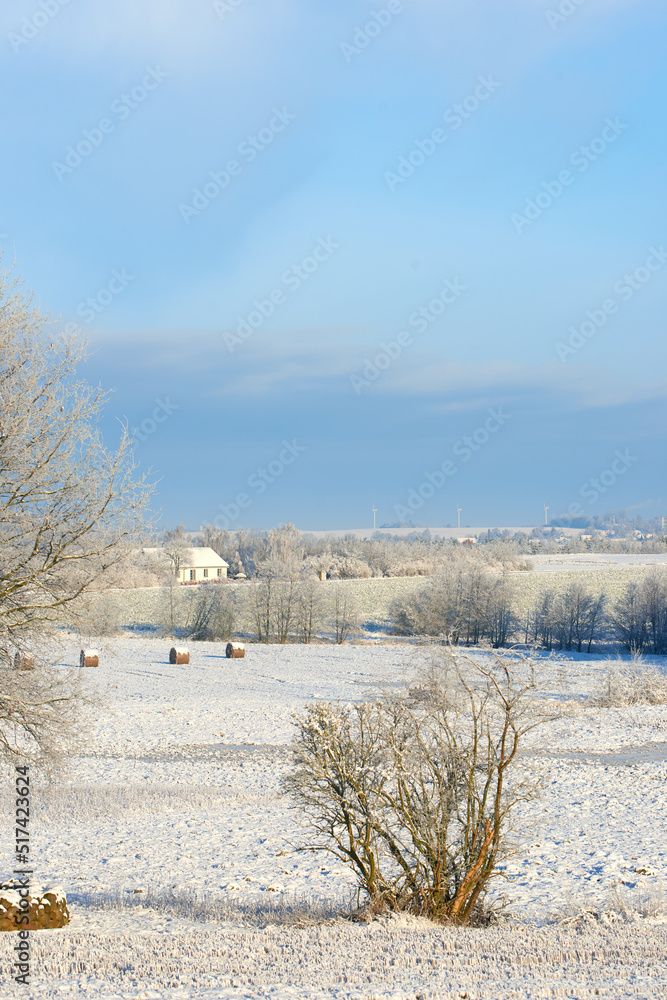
(198,565)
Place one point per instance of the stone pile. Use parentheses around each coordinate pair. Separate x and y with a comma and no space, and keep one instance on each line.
(45,907)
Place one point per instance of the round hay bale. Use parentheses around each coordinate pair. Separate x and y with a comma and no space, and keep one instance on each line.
(179,654)
(89,658)
(24,661)
(235,650)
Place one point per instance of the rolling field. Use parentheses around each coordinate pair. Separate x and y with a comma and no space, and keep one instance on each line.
(177,850)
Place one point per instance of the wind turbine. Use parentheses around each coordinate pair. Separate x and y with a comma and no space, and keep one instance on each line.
(458,515)
(546,515)
(375,510)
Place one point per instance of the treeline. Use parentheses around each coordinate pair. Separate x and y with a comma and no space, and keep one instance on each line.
(287,552)
(548,542)
(620,522)
(467,606)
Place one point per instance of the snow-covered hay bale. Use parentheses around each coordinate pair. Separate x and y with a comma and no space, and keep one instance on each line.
(235,650)
(24,661)
(45,908)
(89,658)
(179,654)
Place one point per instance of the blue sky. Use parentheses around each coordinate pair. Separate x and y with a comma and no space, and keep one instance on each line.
(469,194)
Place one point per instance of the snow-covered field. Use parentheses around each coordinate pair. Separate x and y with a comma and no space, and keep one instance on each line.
(561,562)
(176,849)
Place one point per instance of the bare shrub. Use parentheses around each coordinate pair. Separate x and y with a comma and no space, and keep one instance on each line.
(621,907)
(413,793)
(345,618)
(309,610)
(213,615)
(100,614)
(275,608)
(639,617)
(632,683)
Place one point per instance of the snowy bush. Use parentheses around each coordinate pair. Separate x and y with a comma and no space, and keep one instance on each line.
(632,683)
(413,792)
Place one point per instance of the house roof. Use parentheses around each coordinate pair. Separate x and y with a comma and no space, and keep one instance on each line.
(200,558)
(197,558)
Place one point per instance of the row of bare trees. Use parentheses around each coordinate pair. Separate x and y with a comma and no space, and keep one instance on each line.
(464,605)
(571,619)
(282,611)
(467,606)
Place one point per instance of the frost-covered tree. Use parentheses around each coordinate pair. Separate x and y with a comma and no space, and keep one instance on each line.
(68,510)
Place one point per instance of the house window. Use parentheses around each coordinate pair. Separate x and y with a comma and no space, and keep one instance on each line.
(205,572)
(192,574)
(219,572)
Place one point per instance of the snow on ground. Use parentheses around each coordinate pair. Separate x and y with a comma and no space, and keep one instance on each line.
(174,814)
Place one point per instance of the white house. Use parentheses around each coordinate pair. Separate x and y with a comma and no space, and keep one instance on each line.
(198,565)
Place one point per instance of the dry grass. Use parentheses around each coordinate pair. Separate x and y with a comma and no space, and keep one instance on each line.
(633,683)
